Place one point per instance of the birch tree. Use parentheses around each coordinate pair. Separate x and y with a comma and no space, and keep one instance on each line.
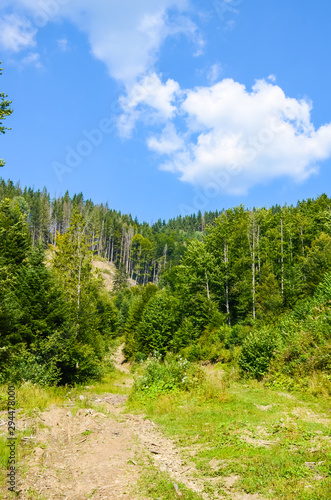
(73,261)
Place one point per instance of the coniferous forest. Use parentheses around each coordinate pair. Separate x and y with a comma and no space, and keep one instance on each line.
(245,286)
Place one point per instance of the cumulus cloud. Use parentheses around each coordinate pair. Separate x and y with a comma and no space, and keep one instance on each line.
(168,142)
(238,138)
(150,99)
(16,33)
(230,136)
(125,35)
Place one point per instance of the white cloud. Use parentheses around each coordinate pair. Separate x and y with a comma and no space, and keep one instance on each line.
(272,78)
(32,59)
(125,35)
(16,33)
(240,138)
(150,99)
(168,142)
(233,136)
(214,73)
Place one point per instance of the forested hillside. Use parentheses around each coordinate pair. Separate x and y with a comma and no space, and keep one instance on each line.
(143,249)
(210,286)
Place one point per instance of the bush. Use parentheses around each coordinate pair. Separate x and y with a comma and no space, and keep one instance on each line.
(25,366)
(158,324)
(258,350)
(175,373)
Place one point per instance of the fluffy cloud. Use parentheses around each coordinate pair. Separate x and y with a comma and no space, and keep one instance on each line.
(16,33)
(150,99)
(167,143)
(230,136)
(125,35)
(238,138)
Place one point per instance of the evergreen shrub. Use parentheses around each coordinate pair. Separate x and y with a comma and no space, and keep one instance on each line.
(258,350)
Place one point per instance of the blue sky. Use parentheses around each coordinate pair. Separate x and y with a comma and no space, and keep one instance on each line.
(168,107)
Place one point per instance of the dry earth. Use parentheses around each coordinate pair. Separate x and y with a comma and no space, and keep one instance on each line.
(93,454)
(107,271)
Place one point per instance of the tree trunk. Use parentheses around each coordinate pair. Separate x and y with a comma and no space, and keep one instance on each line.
(226,261)
(252,252)
(207,285)
(258,252)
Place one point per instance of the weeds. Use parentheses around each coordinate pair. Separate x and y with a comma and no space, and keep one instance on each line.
(248,431)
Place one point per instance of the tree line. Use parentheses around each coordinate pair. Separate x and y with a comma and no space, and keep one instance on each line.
(200,284)
(250,267)
(143,249)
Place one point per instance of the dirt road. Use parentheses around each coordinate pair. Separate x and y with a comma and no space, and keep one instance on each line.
(100,453)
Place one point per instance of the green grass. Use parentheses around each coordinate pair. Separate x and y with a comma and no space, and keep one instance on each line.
(250,431)
(31,398)
(157,485)
(115,382)
(23,449)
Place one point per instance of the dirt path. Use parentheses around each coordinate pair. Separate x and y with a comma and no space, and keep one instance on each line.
(93,454)
(85,456)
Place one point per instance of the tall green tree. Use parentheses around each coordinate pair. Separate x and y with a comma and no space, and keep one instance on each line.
(5,111)
(72,264)
(73,261)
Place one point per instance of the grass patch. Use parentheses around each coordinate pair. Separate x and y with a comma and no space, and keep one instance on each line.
(154,484)
(276,445)
(115,382)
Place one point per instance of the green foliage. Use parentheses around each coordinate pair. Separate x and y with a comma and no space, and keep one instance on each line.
(202,291)
(54,328)
(120,280)
(158,324)
(269,298)
(318,261)
(258,350)
(26,365)
(5,111)
(134,316)
(72,262)
(186,335)
(14,235)
(306,351)
(172,374)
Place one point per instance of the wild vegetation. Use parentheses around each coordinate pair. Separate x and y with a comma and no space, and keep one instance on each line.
(246,293)
(250,286)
